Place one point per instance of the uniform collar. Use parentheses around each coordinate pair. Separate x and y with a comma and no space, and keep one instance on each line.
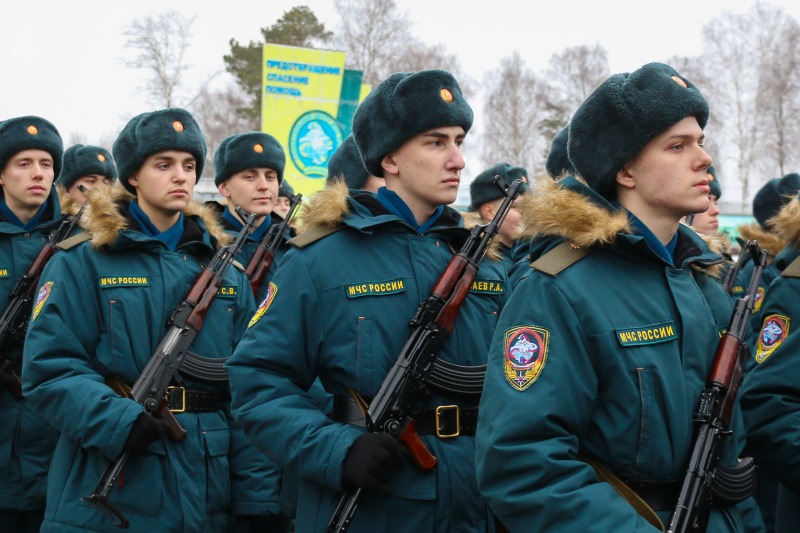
(392,201)
(234,223)
(171,237)
(13,219)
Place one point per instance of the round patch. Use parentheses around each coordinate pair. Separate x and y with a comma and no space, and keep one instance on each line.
(525,352)
(312,140)
(271,292)
(773,333)
(258,148)
(710,176)
(33,130)
(679,81)
(178,126)
(101,158)
(447,96)
(41,298)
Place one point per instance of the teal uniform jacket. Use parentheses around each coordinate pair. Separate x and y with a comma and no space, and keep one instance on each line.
(606,358)
(770,393)
(107,302)
(339,310)
(26,441)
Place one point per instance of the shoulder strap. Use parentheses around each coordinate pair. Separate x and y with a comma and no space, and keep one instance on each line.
(313,235)
(73,241)
(238,265)
(559,258)
(793,270)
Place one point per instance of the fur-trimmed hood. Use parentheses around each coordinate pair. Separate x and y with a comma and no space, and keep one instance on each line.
(104,220)
(326,208)
(767,240)
(787,223)
(69,206)
(569,210)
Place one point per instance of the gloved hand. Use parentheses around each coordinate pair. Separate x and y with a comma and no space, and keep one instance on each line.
(370,457)
(146,429)
(278,523)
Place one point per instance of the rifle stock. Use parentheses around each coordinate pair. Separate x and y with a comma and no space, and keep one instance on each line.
(262,259)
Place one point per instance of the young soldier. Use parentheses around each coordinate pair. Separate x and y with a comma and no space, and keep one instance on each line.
(338,308)
(603,348)
(558,164)
(83,165)
(284,192)
(107,301)
(770,393)
(346,164)
(30,158)
(485,199)
(707,222)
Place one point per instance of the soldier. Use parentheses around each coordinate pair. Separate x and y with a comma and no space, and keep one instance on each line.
(83,165)
(558,164)
(338,308)
(106,301)
(30,159)
(603,348)
(485,199)
(707,222)
(770,393)
(284,192)
(346,164)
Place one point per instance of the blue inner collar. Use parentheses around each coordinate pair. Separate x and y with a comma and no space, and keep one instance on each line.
(257,234)
(664,252)
(391,201)
(13,219)
(170,237)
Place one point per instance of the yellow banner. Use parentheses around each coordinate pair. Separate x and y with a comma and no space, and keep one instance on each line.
(302,89)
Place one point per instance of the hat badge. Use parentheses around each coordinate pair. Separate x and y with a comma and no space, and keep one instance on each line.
(258,148)
(679,81)
(710,176)
(101,158)
(178,126)
(33,130)
(447,96)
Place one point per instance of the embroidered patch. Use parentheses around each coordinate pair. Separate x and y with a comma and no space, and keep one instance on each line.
(773,333)
(488,286)
(647,335)
(227,292)
(107,282)
(41,298)
(525,353)
(759,299)
(375,288)
(271,292)
(3,272)
(737,291)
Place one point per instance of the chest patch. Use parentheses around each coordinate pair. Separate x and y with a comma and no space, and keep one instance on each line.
(773,333)
(375,288)
(227,292)
(525,351)
(41,298)
(488,286)
(3,272)
(647,335)
(107,282)
(271,292)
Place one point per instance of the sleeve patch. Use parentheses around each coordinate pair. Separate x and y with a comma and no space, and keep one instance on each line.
(41,298)
(271,292)
(773,333)
(525,352)
(759,299)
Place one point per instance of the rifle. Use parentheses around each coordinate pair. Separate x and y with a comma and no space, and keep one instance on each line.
(392,410)
(733,273)
(14,322)
(707,480)
(262,259)
(151,388)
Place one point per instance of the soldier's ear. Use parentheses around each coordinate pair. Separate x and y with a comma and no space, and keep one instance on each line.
(390,165)
(223,189)
(625,179)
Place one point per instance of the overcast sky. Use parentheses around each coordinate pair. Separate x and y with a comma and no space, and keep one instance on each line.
(62,60)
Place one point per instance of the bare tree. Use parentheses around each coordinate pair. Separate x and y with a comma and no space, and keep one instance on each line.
(513,108)
(576,72)
(161,41)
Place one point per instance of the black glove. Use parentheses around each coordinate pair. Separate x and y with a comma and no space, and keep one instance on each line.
(272,523)
(368,460)
(146,429)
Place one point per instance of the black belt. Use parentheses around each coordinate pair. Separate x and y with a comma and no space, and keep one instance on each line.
(446,421)
(182,400)
(659,495)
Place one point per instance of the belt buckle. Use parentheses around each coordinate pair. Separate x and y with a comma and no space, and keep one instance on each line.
(183,399)
(445,408)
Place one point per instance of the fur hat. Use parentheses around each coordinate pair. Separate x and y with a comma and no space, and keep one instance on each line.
(624,114)
(770,198)
(30,133)
(482,189)
(403,106)
(248,150)
(80,161)
(558,163)
(713,182)
(346,162)
(285,189)
(159,131)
